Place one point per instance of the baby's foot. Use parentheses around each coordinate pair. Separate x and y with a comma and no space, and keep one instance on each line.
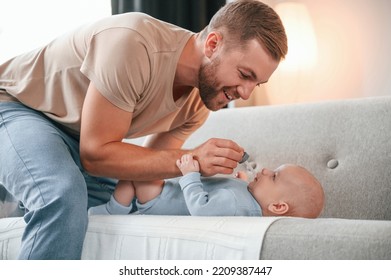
(112,207)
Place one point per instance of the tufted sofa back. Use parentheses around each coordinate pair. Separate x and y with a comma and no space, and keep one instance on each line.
(345,144)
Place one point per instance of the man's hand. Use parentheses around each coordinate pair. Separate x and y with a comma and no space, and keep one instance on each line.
(218,156)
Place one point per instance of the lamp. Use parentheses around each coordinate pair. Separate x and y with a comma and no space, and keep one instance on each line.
(293,77)
(302,45)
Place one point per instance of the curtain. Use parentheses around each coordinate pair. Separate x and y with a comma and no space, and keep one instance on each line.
(193,15)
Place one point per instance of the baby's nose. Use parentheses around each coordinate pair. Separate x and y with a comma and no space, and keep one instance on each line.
(266,172)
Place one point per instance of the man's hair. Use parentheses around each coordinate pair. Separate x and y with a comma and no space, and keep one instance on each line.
(244,20)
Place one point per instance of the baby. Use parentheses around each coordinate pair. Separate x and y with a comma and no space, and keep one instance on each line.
(290,190)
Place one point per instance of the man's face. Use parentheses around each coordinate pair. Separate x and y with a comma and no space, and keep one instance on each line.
(233,74)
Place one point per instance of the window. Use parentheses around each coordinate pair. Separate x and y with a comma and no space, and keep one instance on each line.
(28,24)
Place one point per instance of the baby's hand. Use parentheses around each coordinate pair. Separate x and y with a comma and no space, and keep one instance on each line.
(187,164)
(242,175)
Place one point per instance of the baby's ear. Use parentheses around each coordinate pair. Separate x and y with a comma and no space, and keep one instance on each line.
(279,208)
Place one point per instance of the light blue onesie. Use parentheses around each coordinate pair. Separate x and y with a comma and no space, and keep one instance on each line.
(196,196)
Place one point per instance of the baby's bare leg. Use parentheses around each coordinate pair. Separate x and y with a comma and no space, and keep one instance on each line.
(124,192)
(120,202)
(146,191)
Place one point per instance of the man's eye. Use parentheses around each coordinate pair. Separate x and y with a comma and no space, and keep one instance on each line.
(244,76)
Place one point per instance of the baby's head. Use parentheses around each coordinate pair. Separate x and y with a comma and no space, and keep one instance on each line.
(289,190)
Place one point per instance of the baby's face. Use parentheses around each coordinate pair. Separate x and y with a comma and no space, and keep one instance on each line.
(273,185)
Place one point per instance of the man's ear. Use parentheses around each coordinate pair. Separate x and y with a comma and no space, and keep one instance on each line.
(212,43)
(279,208)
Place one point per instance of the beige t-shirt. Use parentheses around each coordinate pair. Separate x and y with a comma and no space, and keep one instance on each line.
(131,58)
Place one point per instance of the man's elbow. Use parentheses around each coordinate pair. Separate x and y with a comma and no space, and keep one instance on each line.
(89,161)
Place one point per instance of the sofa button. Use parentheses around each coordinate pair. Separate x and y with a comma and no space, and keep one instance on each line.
(333,163)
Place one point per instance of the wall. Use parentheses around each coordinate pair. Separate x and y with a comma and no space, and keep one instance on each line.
(353,45)
(29,24)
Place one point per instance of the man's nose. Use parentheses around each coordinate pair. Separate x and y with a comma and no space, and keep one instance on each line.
(246,89)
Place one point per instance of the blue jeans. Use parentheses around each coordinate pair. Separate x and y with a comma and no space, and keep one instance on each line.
(40,166)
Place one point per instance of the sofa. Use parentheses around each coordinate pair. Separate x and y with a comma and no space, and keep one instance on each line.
(344,143)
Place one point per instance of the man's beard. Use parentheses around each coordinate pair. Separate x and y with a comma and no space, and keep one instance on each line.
(207,85)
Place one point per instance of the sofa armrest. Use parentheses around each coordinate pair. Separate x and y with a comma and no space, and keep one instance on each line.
(327,239)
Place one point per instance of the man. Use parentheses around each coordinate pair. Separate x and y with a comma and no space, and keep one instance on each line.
(65,109)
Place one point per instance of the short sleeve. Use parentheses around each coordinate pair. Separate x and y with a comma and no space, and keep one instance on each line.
(118,64)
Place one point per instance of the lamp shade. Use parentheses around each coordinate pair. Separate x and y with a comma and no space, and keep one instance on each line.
(302,46)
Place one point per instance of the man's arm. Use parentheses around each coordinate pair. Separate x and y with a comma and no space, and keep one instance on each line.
(148,190)
(103,153)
